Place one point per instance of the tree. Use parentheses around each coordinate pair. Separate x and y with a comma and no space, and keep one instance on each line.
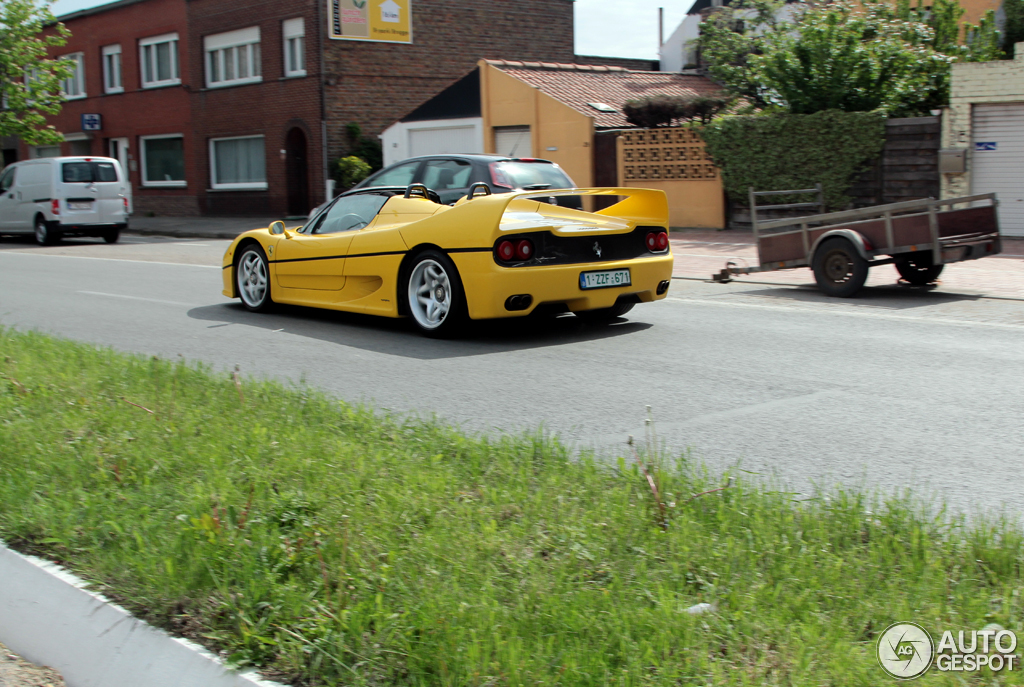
(843,55)
(30,83)
(349,171)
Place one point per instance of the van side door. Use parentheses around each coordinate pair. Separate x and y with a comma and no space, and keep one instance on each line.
(8,199)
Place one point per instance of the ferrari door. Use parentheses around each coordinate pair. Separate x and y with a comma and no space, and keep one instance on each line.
(310,265)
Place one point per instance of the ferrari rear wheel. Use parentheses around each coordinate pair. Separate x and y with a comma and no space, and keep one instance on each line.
(435,296)
(252,277)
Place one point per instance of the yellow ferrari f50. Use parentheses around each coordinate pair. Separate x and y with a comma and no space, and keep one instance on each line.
(398,252)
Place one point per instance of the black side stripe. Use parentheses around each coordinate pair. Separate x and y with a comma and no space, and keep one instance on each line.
(44,200)
(374,255)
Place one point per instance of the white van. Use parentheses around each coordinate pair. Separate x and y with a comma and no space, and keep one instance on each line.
(64,196)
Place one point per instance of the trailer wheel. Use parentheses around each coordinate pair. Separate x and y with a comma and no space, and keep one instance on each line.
(838,268)
(918,269)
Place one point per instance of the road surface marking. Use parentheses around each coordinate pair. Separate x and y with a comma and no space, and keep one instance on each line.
(87,257)
(135,298)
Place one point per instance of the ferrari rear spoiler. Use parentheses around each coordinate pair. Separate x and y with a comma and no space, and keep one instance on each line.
(640,205)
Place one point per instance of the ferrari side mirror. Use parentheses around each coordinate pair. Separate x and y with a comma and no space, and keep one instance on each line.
(277,227)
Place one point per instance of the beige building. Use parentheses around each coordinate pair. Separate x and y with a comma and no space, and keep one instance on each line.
(572,115)
(984,124)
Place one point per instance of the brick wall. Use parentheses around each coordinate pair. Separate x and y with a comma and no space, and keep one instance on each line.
(375,84)
(135,112)
(270,108)
(974,83)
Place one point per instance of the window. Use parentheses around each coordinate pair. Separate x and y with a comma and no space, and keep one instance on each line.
(238,163)
(73,87)
(112,69)
(350,213)
(294,34)
(158,57)
(163,160)
(441,175)
(233,58)
(400,175)
(7,179)
(44,151)
(88,172)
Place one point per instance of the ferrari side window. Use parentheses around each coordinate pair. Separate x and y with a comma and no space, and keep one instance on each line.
(350,213)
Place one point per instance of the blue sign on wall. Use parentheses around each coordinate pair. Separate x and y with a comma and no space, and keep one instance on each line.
(984,145)
(92,122)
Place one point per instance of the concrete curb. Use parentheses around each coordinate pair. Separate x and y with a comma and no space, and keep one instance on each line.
(48,617)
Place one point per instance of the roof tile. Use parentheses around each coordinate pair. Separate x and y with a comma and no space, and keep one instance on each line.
(577,85)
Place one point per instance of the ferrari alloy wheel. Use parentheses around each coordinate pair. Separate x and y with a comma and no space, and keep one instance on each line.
(435,297)
(253,279)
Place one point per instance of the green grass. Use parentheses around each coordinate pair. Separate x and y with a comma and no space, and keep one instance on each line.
(328,544)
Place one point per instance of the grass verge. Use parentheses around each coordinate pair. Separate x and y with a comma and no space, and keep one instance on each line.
(327,544)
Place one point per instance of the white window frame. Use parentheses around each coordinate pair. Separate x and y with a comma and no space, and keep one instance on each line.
(153,41)
(251,185)
(78,77)
(108,80)
(217,47)
(142,155)
(294,30)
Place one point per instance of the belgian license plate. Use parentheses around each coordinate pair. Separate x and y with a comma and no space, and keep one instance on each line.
(604,279)
(79,205)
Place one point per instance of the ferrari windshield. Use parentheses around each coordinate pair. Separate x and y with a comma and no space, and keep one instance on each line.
(534,175)
(349,212)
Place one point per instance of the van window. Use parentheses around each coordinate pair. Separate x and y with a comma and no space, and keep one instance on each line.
(7,179)
(88,172)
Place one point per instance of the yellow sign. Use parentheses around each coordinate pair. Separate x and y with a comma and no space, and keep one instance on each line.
(385,21)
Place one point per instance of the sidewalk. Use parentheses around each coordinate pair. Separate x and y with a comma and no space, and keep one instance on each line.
(199,227)
(701,253)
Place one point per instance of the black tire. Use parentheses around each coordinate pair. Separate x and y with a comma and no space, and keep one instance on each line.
(45,234)
(838,268)
(112,236)
(433,295)
(252,279)
(605,314)
(918,269)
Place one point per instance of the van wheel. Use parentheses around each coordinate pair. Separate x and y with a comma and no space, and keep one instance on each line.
(112,236)
(45,236)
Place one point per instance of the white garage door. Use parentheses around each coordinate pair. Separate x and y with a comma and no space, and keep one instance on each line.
(998,161)
(513,141)
(456,139)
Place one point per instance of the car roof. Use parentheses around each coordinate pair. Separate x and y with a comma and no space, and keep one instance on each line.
(470,157)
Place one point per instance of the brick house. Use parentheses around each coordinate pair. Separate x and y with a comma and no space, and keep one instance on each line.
(132,72)
(239,106)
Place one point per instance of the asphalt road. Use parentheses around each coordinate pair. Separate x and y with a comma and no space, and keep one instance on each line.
(901,388)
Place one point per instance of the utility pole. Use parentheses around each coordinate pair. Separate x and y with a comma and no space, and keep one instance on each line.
(661,26)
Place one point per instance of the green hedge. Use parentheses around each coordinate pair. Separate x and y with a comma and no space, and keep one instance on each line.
(783,151)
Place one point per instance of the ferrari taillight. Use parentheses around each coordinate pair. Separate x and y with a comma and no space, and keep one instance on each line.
(657,241)
(506,250)
(524,249)
(55,206)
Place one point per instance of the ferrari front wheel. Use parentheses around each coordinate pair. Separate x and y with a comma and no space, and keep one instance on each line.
(436,300)
(252,276)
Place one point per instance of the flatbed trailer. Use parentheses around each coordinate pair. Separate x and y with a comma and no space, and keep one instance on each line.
(919,237)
